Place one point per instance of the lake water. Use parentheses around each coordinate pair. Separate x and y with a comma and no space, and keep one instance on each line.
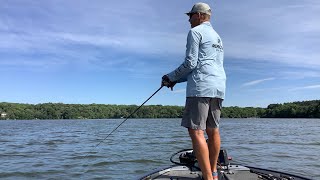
(57,149)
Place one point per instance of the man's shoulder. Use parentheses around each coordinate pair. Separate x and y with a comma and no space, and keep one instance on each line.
(198,31)
(203,27)
(195,31)
(197,28)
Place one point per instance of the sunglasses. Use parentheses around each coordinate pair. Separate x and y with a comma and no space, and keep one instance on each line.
(191,14)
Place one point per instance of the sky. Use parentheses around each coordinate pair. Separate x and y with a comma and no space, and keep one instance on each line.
(116,51)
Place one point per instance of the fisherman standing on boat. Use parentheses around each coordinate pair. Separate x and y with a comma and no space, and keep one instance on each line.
(206,81)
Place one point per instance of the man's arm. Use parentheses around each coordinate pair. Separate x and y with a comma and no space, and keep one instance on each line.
(181,73)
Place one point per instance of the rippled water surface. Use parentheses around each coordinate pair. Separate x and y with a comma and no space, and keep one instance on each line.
(64,149)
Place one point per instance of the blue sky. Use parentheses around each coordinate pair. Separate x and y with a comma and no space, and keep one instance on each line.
(115,52)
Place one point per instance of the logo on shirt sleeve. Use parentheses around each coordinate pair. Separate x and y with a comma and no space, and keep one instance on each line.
(218,46)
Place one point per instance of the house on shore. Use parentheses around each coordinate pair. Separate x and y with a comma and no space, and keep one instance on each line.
(3,115)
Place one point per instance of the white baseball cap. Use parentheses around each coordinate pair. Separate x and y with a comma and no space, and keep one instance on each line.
(200,8)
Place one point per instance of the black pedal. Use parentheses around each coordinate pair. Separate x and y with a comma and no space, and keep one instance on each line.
(188,158)
(223,158)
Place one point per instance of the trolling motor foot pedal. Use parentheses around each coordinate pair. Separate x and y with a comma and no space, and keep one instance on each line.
(223,159)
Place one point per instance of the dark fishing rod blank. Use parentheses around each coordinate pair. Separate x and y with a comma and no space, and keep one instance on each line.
(125,120)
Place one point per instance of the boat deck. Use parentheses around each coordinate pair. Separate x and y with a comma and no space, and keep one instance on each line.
(185,173)
(188,169)
(234,172)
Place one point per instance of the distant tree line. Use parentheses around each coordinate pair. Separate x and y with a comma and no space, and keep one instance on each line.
(304,109)
(88,111)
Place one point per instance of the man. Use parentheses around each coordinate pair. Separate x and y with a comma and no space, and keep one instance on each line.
(206,80)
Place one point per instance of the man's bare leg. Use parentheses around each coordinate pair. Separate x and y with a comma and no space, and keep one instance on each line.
(214,146)
(201,150)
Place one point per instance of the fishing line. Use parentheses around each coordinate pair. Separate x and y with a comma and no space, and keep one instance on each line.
(123,121)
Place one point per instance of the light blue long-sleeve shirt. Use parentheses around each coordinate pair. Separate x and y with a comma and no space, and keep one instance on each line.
(203,65)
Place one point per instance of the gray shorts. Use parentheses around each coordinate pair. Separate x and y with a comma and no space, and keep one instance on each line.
(202,113)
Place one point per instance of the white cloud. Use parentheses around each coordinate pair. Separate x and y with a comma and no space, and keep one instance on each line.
(142,38)
(178,91)
(301,74)
(277,32)
(255,82)
(306,87)
(281,32)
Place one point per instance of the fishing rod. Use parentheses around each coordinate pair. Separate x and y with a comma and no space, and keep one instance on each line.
(125,120)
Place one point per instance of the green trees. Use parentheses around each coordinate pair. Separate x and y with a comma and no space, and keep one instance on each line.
(238,112)
(305,109)
(89,111)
